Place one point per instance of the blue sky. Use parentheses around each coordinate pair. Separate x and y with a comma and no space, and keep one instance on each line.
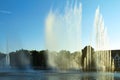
(22,21)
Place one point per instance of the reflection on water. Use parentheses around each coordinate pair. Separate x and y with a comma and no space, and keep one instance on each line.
(82,76)
(58,76)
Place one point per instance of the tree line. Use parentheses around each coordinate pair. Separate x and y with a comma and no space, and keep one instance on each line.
(22,59)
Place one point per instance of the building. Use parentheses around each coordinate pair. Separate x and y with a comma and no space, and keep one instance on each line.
(108,60)
(116,56)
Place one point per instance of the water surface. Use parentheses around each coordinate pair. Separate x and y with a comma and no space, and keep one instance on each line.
(47,75)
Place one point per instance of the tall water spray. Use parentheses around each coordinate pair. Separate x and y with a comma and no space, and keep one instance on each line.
(7,55)
(63,30)
(103,54)
(100,59)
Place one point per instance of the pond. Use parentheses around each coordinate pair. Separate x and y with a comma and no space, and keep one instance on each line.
(47,75)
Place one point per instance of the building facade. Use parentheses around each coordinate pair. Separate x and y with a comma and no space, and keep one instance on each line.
(105,60)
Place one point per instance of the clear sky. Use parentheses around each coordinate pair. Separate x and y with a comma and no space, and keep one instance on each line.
(22,21)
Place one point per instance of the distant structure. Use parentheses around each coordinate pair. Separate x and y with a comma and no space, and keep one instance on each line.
(116,56)
(88,63)
(110,62)
(2,60)
(89,60)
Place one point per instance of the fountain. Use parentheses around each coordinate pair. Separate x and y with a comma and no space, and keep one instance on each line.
(63,31)
(103,54)
(5,60)
(7,55)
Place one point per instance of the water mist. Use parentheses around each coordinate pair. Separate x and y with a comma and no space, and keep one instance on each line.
(63,31)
